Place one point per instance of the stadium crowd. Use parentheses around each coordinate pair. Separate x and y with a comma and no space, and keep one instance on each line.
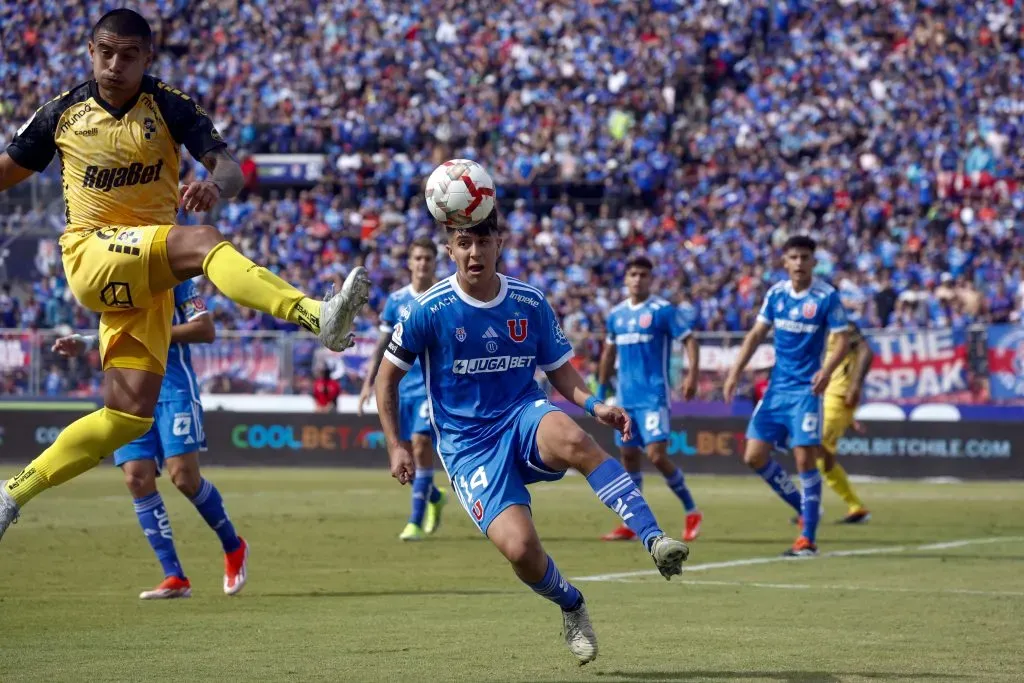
(700,132)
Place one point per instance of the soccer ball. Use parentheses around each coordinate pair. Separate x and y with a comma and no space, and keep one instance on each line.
(459,193)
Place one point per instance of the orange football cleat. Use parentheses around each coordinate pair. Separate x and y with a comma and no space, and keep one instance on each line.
(236,568)
(692,530)
(802,547)
(620,533)
(172,587)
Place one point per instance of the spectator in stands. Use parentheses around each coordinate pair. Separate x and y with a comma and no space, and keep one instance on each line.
(326,391)
(9,314)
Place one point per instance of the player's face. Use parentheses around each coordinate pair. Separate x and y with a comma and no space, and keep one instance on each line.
(799,265)
(119,62)
(421,263)
(475,256)
(638,282)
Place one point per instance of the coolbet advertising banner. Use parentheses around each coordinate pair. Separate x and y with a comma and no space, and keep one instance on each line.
(917,365)
(1006,362)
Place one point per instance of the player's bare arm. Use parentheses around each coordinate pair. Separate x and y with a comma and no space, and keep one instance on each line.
(567,381)
(606,366)
(693,367)
(11,173)
(373,366)
(226,180)
(402,465)
(753,339)
(199,330)
(861,367)
(820,381)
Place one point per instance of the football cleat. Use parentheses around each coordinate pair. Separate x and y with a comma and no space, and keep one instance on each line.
(579,633)
(619,533)
(858,516)
(802,548)
(693,522)
(669,555)
(339,310)
(8,509)
(236,568)
(411,532)
(432,518)
(172,587)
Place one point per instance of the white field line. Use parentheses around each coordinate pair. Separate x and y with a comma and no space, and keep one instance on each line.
(844,587)
(884,550)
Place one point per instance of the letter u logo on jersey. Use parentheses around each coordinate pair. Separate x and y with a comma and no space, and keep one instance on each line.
(517,329)
(810,308)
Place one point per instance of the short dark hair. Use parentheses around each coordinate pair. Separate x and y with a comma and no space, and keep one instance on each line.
(800,242)
(640,262)
(424,243)
(488,226)
(125,22)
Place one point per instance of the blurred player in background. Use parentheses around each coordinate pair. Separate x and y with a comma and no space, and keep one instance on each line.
(802,312)
(480,337)
(119,137)
(174,441)
(640,334)
(413,419)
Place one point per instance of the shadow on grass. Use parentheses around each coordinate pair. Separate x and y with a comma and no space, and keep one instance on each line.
(386,594)
(783,676)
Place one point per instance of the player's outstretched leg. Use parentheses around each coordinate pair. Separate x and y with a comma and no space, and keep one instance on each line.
(632,462)
(198,250)
(140,478)
(563,444)
(514,534)
(184,472)
(758,457)
(657,453)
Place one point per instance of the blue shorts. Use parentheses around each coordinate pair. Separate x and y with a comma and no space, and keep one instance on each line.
(493,478)
(177,429)
(787,417)
(650,425)
(413,417)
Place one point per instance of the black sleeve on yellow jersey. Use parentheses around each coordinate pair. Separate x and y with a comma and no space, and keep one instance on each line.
(188,122)
(35,143)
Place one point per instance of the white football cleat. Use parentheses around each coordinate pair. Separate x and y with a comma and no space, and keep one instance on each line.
(8,509)
(579,634)
(339,310)
(669,555)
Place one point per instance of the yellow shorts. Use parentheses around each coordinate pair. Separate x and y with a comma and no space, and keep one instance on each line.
(838,418)
(122,273)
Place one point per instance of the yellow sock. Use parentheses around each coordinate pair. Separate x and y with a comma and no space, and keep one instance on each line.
(838,481)
(79,448)
(254,286)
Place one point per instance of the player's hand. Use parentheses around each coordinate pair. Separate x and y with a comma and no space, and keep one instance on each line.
(819,383)
(200,195)
(689,386)
(364,398)
(729,388)
(69,346)
(402,466)
(852,397)
(616,417)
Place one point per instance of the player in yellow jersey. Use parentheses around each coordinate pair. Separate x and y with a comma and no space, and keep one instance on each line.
(841,399)
(119,138)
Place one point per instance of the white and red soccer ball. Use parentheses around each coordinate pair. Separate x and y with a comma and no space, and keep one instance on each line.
(459,193)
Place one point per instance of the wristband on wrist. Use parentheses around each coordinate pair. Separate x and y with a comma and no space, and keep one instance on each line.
(590,405)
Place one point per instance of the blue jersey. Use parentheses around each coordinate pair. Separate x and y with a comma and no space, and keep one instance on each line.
(479,357)
(180,380)
(412,385)
(802,323)
(643,335)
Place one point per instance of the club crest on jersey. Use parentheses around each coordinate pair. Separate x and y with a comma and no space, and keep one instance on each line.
(517,329)
(478,511)
(810,308)
(460,333)
(646,320)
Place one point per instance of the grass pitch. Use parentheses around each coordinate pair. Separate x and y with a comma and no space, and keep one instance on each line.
(932,589)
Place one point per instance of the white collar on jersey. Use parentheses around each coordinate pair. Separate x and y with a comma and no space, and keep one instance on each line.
(476,303)
(638,306)
(798,295)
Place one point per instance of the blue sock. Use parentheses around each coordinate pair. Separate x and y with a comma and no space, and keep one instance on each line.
(615,488)
(638,480)
(810,483)
(211,507)
(779,480)
(156,525)
(557,589)
(435,493)
(677,482)
(421,485)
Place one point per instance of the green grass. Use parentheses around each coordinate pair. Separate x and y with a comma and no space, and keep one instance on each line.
(334,596)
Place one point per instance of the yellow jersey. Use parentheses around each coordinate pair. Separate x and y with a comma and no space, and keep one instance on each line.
(119,166)
(839,383)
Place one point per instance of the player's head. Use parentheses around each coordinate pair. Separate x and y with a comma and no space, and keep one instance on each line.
(638,277)
(475,250)
(121,49)
(422,258)
(798,259)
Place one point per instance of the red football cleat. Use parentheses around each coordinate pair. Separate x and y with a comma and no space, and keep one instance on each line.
(620,533)
(802,548)
(172,587)
(235,568)
(692,530)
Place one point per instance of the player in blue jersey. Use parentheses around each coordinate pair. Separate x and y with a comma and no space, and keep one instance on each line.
(802,311)
(640,334)
(174,442)
(480,337)
(427,500)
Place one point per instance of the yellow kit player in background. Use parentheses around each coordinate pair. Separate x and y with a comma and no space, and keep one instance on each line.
(841,400)
(119,138)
